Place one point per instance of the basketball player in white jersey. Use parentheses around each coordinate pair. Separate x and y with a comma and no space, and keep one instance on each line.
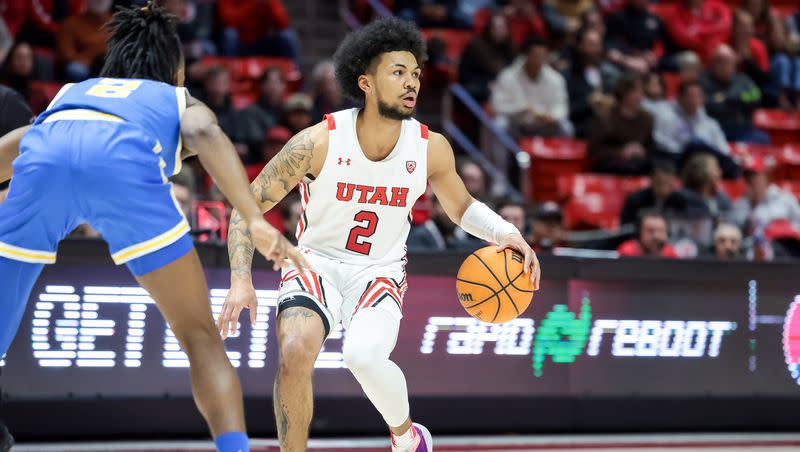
(360,172)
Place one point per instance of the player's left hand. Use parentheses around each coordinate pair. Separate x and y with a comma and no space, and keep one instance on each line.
(517,243)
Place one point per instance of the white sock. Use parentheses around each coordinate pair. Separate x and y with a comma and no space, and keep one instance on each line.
(406,438)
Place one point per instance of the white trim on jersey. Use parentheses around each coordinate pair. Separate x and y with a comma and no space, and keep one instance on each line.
(60,93)
(181,93)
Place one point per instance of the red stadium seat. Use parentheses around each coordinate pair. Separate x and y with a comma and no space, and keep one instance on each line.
(578,185)
(593,211)
(782,126)
(245,72)
(551,158)
(789,163)
(662,9)
(733,188)
(455,40)
(742,151)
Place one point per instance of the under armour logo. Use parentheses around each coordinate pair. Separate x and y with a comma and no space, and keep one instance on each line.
(345,161)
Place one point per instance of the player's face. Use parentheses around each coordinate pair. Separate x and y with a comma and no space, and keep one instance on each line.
(396,85)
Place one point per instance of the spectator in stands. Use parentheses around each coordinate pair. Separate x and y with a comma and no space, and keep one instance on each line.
(763,201)
(621,141)
(563,17)
(727,242)
(6,41)
(699,25)
(425,236)
(655,93)
(18,68)
(764,17)
(593,20)
(269,109)
(632,36)
(485,56)
(524,20)
(274,140)
(731,98)
(589,78)
(41,20)
(298,112)
(652,239)
(432,13)
(454,237)
(547,227)
(689,65)
(751,51)
(328,96)
(291,210)
(216,93)
(256,27)
(530,97)
(785,68)
(662,194)
(701,178)
(192,31)
(473,176)
(513,212)
(465,11)
(21,69)
(81,42)
(686,124)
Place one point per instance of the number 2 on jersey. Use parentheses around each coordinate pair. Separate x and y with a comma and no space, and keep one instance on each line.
(368,222)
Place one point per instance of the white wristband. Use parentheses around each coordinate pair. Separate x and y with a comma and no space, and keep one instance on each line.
(482,222)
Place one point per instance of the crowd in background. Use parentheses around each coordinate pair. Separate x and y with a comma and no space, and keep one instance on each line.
(655,89)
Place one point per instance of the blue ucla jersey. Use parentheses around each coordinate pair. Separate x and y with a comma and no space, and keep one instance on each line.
(155,107)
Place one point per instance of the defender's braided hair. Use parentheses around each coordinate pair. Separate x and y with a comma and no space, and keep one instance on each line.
(143,44)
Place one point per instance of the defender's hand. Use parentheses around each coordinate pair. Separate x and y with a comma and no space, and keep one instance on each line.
(269,242)
(516,242)
(241,296)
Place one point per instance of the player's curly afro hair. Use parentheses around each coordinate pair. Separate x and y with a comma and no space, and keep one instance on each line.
(358,51)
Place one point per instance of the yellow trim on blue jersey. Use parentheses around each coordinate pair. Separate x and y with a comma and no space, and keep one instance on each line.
(181,94)
(157,148)
(27,255)
(152,245)
(81,114)
(60,93)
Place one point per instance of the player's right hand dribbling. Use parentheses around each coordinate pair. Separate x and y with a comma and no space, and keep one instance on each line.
(274,246)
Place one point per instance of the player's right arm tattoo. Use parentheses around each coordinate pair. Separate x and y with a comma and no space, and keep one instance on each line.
(277,178)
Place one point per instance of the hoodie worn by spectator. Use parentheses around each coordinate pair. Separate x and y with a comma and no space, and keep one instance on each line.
(699,25)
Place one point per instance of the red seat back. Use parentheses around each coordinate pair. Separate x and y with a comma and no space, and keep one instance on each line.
(551,158)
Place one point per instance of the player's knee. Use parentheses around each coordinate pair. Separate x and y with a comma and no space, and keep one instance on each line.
(198,339)
(362,356)
(297,354)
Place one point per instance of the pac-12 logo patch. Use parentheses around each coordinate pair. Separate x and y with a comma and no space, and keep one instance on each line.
(411,166)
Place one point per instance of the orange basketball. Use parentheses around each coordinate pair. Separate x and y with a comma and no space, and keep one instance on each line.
(493,287)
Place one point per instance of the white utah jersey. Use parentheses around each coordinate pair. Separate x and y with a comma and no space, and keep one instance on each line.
(358,210)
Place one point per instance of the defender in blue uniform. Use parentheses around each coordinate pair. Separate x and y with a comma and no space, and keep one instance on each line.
(102,154)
